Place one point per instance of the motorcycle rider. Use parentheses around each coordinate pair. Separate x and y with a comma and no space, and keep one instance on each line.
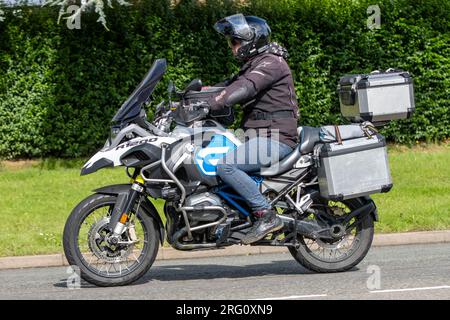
(264,88)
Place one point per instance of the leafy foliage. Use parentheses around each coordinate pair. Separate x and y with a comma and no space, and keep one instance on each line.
(59,88)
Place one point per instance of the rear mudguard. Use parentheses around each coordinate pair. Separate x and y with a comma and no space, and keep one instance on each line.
(121,189)
(374,212)
(364,200)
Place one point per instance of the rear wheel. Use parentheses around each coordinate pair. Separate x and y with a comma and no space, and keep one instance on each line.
(86,243)
(342,254)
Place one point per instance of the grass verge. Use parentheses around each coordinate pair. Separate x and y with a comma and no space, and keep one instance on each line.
(37,196)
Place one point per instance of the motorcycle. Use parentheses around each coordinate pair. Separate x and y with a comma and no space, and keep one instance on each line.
(113,235)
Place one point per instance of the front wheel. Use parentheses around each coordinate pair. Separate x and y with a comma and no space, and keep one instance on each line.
(342,254)
(86,245)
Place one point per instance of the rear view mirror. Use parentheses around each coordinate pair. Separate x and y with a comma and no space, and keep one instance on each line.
(194,85)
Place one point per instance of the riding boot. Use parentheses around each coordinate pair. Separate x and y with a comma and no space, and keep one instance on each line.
(268,222)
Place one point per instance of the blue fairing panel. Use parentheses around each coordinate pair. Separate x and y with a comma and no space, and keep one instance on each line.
(207,158)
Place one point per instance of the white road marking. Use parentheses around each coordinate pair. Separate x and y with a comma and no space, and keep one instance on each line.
(294,297)
(411,289)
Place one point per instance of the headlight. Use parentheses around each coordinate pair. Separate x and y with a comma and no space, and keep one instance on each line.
(114,132)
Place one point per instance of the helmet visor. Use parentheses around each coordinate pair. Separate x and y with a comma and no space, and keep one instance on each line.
(234,26)
(232,42)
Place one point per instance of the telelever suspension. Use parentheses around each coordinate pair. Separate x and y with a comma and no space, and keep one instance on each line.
(122,210)
(137,189)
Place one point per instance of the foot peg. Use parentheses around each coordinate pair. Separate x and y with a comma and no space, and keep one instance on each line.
(303,204)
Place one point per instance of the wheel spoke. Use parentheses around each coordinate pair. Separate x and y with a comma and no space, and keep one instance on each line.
(334,250)
(99,256)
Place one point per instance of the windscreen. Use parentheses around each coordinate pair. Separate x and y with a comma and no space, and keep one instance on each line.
(131,108)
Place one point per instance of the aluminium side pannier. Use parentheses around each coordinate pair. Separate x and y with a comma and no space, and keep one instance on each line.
(353,168)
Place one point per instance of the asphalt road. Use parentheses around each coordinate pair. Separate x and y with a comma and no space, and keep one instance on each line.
(405,272)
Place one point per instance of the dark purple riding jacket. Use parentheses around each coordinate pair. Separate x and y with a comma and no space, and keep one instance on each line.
(265,88)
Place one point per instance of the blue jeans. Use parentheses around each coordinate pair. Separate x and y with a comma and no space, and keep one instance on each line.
(249,158)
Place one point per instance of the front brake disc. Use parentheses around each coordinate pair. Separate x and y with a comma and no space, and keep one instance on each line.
(99,246)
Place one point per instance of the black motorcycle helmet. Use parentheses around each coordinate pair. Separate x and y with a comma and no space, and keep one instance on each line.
(252,32)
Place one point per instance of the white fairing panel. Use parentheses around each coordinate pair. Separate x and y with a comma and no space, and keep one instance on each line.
(111,157)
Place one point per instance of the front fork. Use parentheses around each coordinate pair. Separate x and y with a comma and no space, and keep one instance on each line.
(123,209)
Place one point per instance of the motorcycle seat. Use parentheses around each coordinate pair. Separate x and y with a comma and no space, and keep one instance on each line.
(308,137)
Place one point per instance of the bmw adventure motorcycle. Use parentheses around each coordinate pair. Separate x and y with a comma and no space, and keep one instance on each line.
(113,235)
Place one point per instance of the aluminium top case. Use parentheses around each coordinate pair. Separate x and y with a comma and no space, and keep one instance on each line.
(378,97)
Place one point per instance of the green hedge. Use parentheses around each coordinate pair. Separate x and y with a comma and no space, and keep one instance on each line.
(59,88)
